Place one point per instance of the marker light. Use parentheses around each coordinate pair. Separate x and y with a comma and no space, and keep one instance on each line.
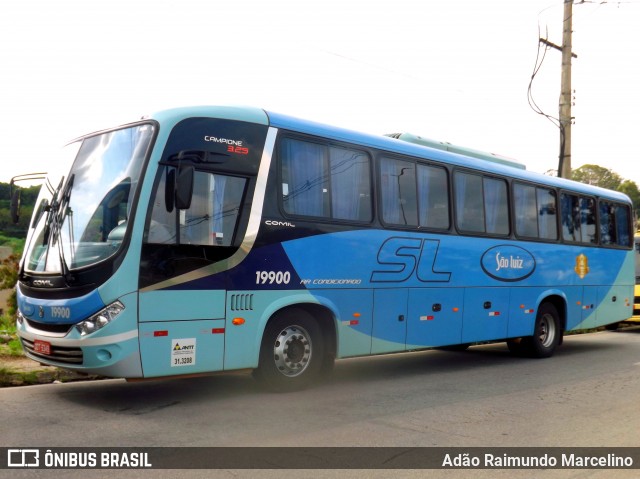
(100,319)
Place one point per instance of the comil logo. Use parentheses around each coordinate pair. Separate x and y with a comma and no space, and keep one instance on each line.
(23,458)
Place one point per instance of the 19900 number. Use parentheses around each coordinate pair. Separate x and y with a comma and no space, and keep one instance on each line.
(273,277)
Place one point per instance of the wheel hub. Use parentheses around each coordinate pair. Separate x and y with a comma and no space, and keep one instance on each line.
(292,351)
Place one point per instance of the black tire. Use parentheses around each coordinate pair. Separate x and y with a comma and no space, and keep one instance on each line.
(547,334)
(292,352)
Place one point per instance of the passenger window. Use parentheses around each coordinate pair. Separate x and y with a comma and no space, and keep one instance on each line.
(496,205)
(469,202)
(482,204)
(535,212)
(433,197)
(547,205)
(325,182)
(399,196)
(525,211)
(614,224)
(578,219)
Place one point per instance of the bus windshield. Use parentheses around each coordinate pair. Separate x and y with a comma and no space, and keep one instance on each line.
(81,219)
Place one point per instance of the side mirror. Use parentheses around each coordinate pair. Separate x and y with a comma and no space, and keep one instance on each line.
(178,188)
(184,187)
(15,206)
(170,189)
(14,192)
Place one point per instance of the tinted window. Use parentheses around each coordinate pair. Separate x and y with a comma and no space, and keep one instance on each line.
(326,182)
(433,197)
(547,204)
(535,212)
(469,202)
(496,206)
(614,224)
(399,195)
(482,204)
(578,219)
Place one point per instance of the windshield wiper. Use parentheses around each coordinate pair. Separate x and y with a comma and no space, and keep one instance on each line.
(63,211)
(57,211)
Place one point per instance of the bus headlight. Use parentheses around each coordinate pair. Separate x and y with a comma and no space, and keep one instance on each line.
(100,319)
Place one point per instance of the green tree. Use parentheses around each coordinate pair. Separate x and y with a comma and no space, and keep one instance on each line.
(597,176)
(9,278)
(28,197)
(606,178)
(630,188)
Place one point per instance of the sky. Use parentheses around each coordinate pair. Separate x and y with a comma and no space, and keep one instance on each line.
(449,70)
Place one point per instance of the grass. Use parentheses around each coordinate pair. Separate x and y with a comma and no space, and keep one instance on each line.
(11,347)
(16,244)
(9,377)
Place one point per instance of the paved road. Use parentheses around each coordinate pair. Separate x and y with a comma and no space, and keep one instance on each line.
(586,395)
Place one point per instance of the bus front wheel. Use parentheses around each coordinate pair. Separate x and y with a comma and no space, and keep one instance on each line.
(291,354)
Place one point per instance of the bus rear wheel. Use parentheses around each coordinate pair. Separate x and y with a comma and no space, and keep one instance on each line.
(291,354)
(546,335)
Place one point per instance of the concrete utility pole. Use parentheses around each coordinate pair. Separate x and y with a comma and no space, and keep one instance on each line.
(566,97)
(564,163)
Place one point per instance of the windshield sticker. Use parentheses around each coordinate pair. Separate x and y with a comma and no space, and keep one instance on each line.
(508,263)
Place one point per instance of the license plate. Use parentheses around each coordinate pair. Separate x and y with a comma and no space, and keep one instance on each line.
(42,347)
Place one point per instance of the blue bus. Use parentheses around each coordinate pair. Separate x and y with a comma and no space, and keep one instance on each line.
(220,238)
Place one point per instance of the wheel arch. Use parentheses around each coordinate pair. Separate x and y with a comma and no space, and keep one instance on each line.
(322,314)
(558,301)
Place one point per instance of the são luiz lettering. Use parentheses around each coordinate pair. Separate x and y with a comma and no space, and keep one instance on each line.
(570,461)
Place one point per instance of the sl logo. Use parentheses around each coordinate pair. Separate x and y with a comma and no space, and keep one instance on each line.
(400,258)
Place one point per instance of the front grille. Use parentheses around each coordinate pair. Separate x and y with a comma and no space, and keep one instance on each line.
(58,354)
(49,328)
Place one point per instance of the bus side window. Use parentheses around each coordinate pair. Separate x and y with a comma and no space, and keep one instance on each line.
(399,194)
(614,224)
(570,208)
(535,212)
(578,219)
(526,210)
(433,197)
(469,207)
(588,220)
(623,215)
(496,206)
(325,181)
(547,203)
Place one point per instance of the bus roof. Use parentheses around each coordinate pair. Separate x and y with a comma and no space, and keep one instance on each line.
(463,150)
(457,156)
(428,152)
